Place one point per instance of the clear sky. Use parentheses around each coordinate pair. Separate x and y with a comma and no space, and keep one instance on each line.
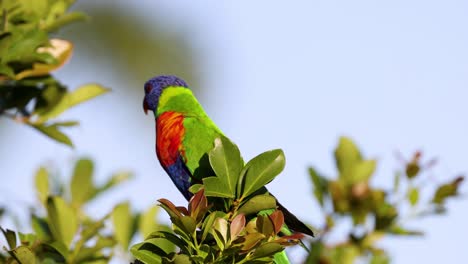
(392,75)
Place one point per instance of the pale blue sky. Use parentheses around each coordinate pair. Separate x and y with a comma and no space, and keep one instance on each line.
(393,75)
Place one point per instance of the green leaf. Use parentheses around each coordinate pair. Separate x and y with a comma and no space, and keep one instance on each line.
(91,229)
(362,171)
(172,239)
(195,188)
(82,187)
(41,228)
(398,230)
(147,222)
(10,237)
(320,185)
(413,196)
(267,250)
(115,180)
(103,242)
(386,215)
(42,184)
(265,226)
(67,123)
(206,253)
(8,71)
(215,187)
(346,155)
(257,204)
(56,10)
(94,254)
(64,20)
(181,259)
(53,132)
(85,93)
(144,254)
(23,255)
(316,248)
(28,239)
(261,170)
(209,222)
(23,45)
(371,238)
(49,97)
(447,190)
(220,232)
(123,223)
(344,254)
(60,248)
(162,244)
(188,224)
(73,98)
(63,222)
(380,257)
(227,163)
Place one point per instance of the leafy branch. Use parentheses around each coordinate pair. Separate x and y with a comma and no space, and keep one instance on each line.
(65,233)
(230,219)
(29,94)
(374,212)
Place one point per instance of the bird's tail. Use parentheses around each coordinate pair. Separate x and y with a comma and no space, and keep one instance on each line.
(293,223)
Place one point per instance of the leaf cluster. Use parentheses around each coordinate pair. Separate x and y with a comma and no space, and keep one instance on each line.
(374,212)
(29,94)
(230,219)
(65,233)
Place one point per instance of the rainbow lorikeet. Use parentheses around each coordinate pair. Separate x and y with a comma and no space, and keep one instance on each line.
(184,134)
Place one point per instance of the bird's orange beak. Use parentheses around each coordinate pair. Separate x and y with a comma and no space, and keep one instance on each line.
(145,107)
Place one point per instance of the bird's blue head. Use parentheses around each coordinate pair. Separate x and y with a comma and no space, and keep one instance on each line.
(154,88)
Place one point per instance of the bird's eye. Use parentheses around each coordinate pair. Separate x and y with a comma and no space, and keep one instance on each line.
(148,88)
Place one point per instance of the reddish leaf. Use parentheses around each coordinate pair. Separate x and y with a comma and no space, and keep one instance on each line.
(195,201)
(182,210)
(293,239)
(198,206)
(170,208)
(237,224)
(295,236)
(277,218)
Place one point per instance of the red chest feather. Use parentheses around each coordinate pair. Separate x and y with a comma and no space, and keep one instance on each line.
(169,135)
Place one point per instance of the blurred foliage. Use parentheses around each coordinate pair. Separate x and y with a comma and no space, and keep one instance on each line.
(230,219)
(374,212)
(29,94)
(62,230)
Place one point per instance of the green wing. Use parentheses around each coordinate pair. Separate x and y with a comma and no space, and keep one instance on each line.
(200,131)
(200,134)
